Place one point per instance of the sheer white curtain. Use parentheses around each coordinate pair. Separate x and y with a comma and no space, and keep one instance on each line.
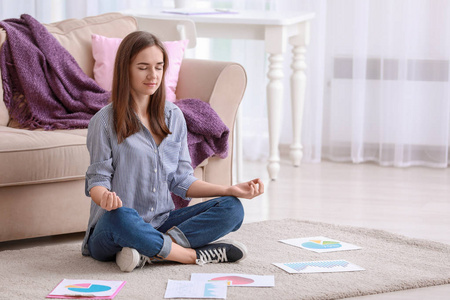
(378,75)
(47,11)
(387,72)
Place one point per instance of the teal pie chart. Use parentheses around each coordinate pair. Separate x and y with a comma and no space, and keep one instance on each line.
(88,288)
(317,244)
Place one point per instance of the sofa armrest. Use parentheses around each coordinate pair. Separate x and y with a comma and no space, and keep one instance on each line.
(222,85)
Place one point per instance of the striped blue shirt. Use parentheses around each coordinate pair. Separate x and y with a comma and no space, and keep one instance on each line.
(140,172)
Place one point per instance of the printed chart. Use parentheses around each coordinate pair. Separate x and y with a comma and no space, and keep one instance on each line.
(87,288)
(323,266)
(93,289)
(196,289)
(320,244)
(234,279)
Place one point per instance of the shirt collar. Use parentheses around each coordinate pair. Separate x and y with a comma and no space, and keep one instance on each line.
(168,108)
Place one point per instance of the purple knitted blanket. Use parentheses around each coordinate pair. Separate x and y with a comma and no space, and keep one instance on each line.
(43,85)
(207,135)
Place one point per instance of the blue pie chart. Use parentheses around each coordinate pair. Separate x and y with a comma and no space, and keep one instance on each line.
(321,245)
(92,288)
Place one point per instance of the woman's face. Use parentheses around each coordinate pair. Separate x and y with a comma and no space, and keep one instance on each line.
(146,72)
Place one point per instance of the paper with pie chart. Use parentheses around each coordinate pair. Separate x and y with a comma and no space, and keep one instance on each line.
(320,244)
(92,289)
(234,279)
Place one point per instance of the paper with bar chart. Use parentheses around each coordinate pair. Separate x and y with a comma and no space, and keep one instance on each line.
(196,289)
(320,244)
(323,266)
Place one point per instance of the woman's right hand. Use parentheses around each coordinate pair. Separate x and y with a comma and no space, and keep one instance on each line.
(110,201)
(104,198)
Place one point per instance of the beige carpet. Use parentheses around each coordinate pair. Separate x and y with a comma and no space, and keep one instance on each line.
(392,263)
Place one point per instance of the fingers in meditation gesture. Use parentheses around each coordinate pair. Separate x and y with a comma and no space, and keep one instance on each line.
(249,189)
(110,201)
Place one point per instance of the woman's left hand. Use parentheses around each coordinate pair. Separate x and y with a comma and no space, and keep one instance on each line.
(248,190)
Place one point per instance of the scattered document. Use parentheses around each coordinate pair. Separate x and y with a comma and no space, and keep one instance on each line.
(89,289)
(196,289)
(320,244)
(323,266)
(233,279)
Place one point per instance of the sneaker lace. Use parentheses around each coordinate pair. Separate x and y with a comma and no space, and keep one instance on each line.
(142,261)
(216,255)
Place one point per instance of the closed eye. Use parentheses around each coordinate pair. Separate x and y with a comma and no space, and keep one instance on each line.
(158,64)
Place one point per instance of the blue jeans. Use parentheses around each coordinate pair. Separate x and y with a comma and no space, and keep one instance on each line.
(191,227)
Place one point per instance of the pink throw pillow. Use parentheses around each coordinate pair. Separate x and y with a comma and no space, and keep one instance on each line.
(104,50)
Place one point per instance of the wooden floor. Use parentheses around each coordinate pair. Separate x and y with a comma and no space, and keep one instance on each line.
(413,201)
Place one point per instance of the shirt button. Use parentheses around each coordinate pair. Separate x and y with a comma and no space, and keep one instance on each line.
(155,170)
(154,189)
(156,151)
(152,209)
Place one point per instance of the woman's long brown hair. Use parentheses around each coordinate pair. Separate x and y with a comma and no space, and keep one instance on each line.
(126,121)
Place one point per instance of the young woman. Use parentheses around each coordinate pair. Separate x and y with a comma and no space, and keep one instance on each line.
(139,154)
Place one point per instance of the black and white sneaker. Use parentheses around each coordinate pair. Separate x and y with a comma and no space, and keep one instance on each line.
(221,252)
(128,259)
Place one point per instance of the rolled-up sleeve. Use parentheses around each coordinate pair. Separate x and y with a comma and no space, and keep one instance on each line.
(100,171)
(183,176)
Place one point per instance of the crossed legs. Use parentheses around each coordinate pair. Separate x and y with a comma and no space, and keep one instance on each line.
(186,229)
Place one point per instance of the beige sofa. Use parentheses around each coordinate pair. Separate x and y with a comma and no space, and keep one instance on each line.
(42,172)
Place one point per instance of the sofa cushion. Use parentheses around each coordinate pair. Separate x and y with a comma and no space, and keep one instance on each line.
(30,157)
(75,34)
(104,50)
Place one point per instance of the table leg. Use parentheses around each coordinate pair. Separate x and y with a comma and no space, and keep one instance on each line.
(298,89)
(298,84)
(274,110)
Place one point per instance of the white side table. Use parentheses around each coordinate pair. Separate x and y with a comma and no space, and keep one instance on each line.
(277,30)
